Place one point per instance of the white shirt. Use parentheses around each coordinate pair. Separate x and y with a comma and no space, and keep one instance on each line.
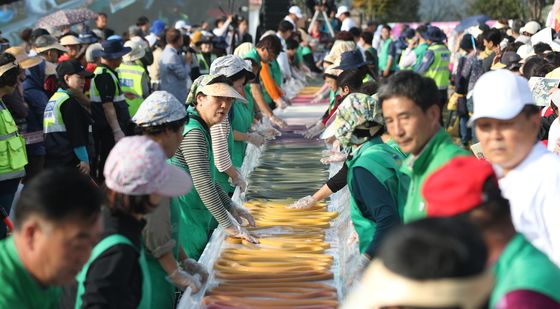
(533,190)
(347,24)
(283,60)
(553,134)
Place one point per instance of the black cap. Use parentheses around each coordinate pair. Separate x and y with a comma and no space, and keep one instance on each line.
(510,60)
(70,67)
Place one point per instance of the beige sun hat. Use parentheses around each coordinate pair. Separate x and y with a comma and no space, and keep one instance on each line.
(25,62)
(70,40)
(339,47)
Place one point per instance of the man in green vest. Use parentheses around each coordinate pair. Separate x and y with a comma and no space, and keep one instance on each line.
(387,53)
(377,186)
(57,223)
(411,112)
(266,51)
(411,58)
(133,77)
(525,277)
(108,104)
(435,63)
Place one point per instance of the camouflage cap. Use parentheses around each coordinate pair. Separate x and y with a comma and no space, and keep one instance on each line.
(357,111)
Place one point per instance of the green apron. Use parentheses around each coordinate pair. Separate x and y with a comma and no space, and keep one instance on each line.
(383,162)
(192,222)
(243,114)
(163,292)
(100,248)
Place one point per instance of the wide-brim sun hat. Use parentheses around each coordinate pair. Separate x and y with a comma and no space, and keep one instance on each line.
(47,42)
(114,49)
(24,61)
(212,85)
(137,165)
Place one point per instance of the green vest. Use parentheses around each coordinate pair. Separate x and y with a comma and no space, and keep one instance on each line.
(523,267)
(98,250)
(192,222)
(13,156)
(18,288)
(439,70)
(130,77)
(243,115)
(203,65)
(383,162)
(437,152)
(52,121)
(94,92)
(420,51)
(384,56)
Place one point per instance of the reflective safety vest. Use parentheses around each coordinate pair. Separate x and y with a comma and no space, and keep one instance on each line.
(204,66)
(13,156)
(439,70)
(94,93)
(52,120)
(130,77)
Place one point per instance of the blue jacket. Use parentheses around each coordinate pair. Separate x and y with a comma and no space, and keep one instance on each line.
(37,99)
(173,73)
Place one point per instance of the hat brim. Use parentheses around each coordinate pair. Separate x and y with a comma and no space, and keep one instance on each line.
(178,183)
(350,67)
(111,56)
(222,90)
(506,115)
(86,74)
(30,62)
(56,46)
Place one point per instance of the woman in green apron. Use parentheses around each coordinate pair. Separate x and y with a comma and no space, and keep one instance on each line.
(136,178)
(236,126)
(197,213)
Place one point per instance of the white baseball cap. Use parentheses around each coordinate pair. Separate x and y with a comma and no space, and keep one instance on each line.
(296,11)
(500,95)
(531,27)
(341,10)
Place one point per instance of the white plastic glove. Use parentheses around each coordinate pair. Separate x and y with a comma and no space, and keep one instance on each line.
(281,103)
(316,99)
(314,130)
(278,122)
(255,139)
(304,203)
(269,133)
(239,181)
(240,213)
(363,262)
(195,268)
(334,158)
(237,231)
(182,280)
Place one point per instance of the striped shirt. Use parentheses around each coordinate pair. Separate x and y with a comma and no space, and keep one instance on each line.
(220,133)
(193,152)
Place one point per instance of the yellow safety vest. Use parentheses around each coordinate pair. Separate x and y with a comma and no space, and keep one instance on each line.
(130,76)
(13,156)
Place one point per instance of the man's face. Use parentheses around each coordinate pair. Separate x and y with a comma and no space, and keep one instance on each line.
(63,247)
(507,142)
(266,54)
(213,109)
(206,48)
(101,22)
(408,124)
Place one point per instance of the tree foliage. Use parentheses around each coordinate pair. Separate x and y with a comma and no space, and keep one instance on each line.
(389,10)
(510,9)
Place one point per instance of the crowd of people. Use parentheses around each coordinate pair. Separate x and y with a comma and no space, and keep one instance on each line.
(125,151)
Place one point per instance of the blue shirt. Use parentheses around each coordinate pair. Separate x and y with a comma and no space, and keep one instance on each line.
(173,73)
